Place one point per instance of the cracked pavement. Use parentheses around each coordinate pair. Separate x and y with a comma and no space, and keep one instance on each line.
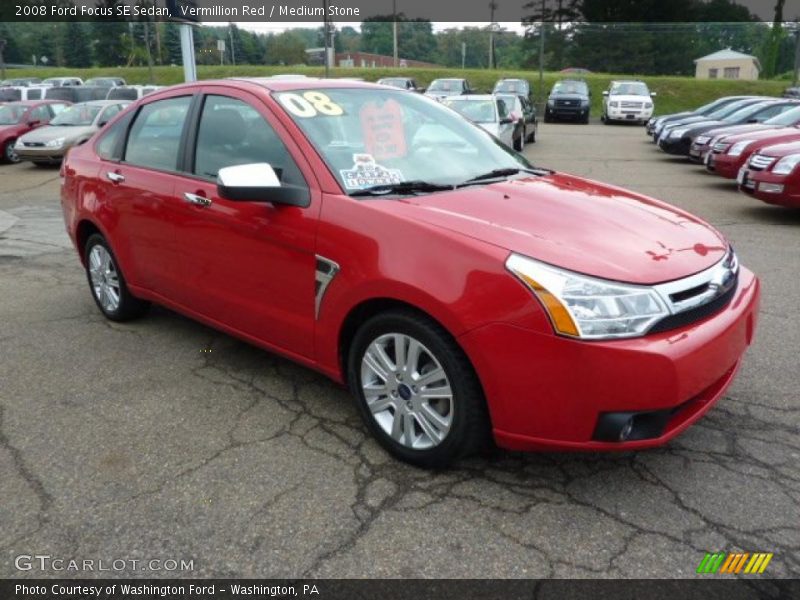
(165,439)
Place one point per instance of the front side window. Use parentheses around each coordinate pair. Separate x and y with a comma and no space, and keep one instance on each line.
(110,112)
(232,133)
(109,142)
(40,114)
(155,136)
(370,136)
(11,115)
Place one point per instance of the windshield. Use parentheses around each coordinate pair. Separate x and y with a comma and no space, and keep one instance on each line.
(477,111)
(569,87)
(729,109)
(635,88)
(446,85)
(785,119)
(512,86)
(401,83)
(743,113)
(712,106)
(77,115)
(11,115)
(370,137)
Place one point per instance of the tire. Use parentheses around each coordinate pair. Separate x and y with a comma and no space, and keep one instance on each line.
(9,155)
(532,135)
(460,425)
(43,164)
(519,143)
(606,120)
(586,119)
(107,284)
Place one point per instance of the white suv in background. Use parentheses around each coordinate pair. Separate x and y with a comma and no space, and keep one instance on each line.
(627,101)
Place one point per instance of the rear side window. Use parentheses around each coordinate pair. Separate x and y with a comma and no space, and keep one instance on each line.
(155,136)
(231,133)
(109,145)
(40,113)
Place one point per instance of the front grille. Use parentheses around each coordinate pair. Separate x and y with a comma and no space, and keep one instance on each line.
(630,104)
(568,103)
(699,296)
(759,162)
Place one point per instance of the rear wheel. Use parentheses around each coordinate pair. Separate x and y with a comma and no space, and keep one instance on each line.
(107,283)
(8,152)
(519,143)
(416,389)
(532,135)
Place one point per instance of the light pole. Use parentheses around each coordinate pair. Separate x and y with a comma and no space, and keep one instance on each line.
(492,27)
(394,32)
(796,31)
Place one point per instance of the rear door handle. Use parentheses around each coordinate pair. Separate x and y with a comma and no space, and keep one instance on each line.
(197,200)
(115,177)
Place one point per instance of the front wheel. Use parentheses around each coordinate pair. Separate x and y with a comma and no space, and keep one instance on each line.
(519,143)
(416,389)
(109,290)
(8,152)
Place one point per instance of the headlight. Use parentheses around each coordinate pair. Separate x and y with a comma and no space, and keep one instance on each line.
(613,104)
(585,307)
(678,133)
(56,143)
(702,139)
(648,105)
(738,148)
(785,165)
(550,102)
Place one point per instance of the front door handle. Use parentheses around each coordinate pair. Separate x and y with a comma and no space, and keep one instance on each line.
(115,177)
(197,200)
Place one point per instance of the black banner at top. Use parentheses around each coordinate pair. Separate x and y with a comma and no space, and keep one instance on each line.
(457,11)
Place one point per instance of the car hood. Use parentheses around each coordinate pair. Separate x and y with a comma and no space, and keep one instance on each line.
(51,132)
(781,149)
(573,97)
(576,224)
(629,98)
(764,135)
(736,129)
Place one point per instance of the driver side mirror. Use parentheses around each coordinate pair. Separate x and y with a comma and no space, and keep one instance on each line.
(653,94)
(506,120)
(259,182)
(605,92)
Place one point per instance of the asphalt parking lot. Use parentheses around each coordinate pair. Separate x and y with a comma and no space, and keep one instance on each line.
(163,439)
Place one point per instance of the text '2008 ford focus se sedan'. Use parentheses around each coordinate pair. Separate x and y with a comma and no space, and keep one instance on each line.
(380,238)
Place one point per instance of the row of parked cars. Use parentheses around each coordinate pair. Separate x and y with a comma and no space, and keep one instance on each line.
(508,112)
(754,140)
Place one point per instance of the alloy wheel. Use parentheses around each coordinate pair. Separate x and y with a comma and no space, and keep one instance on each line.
(105,279)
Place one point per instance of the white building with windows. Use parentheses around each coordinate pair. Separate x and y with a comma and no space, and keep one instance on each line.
(727,64)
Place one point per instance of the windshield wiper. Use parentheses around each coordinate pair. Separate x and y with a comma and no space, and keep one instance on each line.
(404,187)
(501,173)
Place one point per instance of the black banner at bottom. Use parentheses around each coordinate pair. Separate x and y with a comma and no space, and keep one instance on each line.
(398,589)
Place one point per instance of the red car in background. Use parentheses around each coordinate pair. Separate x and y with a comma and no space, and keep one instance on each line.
(731,152)
(18,118)
(456,298)
(772,175)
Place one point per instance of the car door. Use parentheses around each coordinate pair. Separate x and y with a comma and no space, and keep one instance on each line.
(505,130)
(136,188)
(247,265)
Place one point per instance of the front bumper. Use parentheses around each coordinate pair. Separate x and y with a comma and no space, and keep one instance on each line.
(698,152)
(678,146)
(726,165)
(629,114)
(755,182)
(40,153)
(547,392)
(567,112)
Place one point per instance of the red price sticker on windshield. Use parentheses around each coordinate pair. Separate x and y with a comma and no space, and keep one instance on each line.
(382,126)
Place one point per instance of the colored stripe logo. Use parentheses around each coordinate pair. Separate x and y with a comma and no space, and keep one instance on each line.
(734,563)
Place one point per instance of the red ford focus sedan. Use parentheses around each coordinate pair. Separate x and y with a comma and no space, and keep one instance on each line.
(382,239)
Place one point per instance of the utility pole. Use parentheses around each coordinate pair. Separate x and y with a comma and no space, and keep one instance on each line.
(394,32)
(492,8)
(325,35)
(541,55)
(233,48)
(2,60)
(187,53)
(796,54)
(150,78)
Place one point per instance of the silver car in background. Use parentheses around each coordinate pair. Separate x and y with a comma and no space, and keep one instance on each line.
(492,114)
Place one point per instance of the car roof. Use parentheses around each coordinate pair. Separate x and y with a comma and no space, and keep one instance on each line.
(284,84)
(99,102)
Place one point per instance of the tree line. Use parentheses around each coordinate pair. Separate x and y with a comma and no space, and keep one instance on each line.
(646,37)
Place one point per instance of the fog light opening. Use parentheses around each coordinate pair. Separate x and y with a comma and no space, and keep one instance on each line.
(771,188)
(626,430)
